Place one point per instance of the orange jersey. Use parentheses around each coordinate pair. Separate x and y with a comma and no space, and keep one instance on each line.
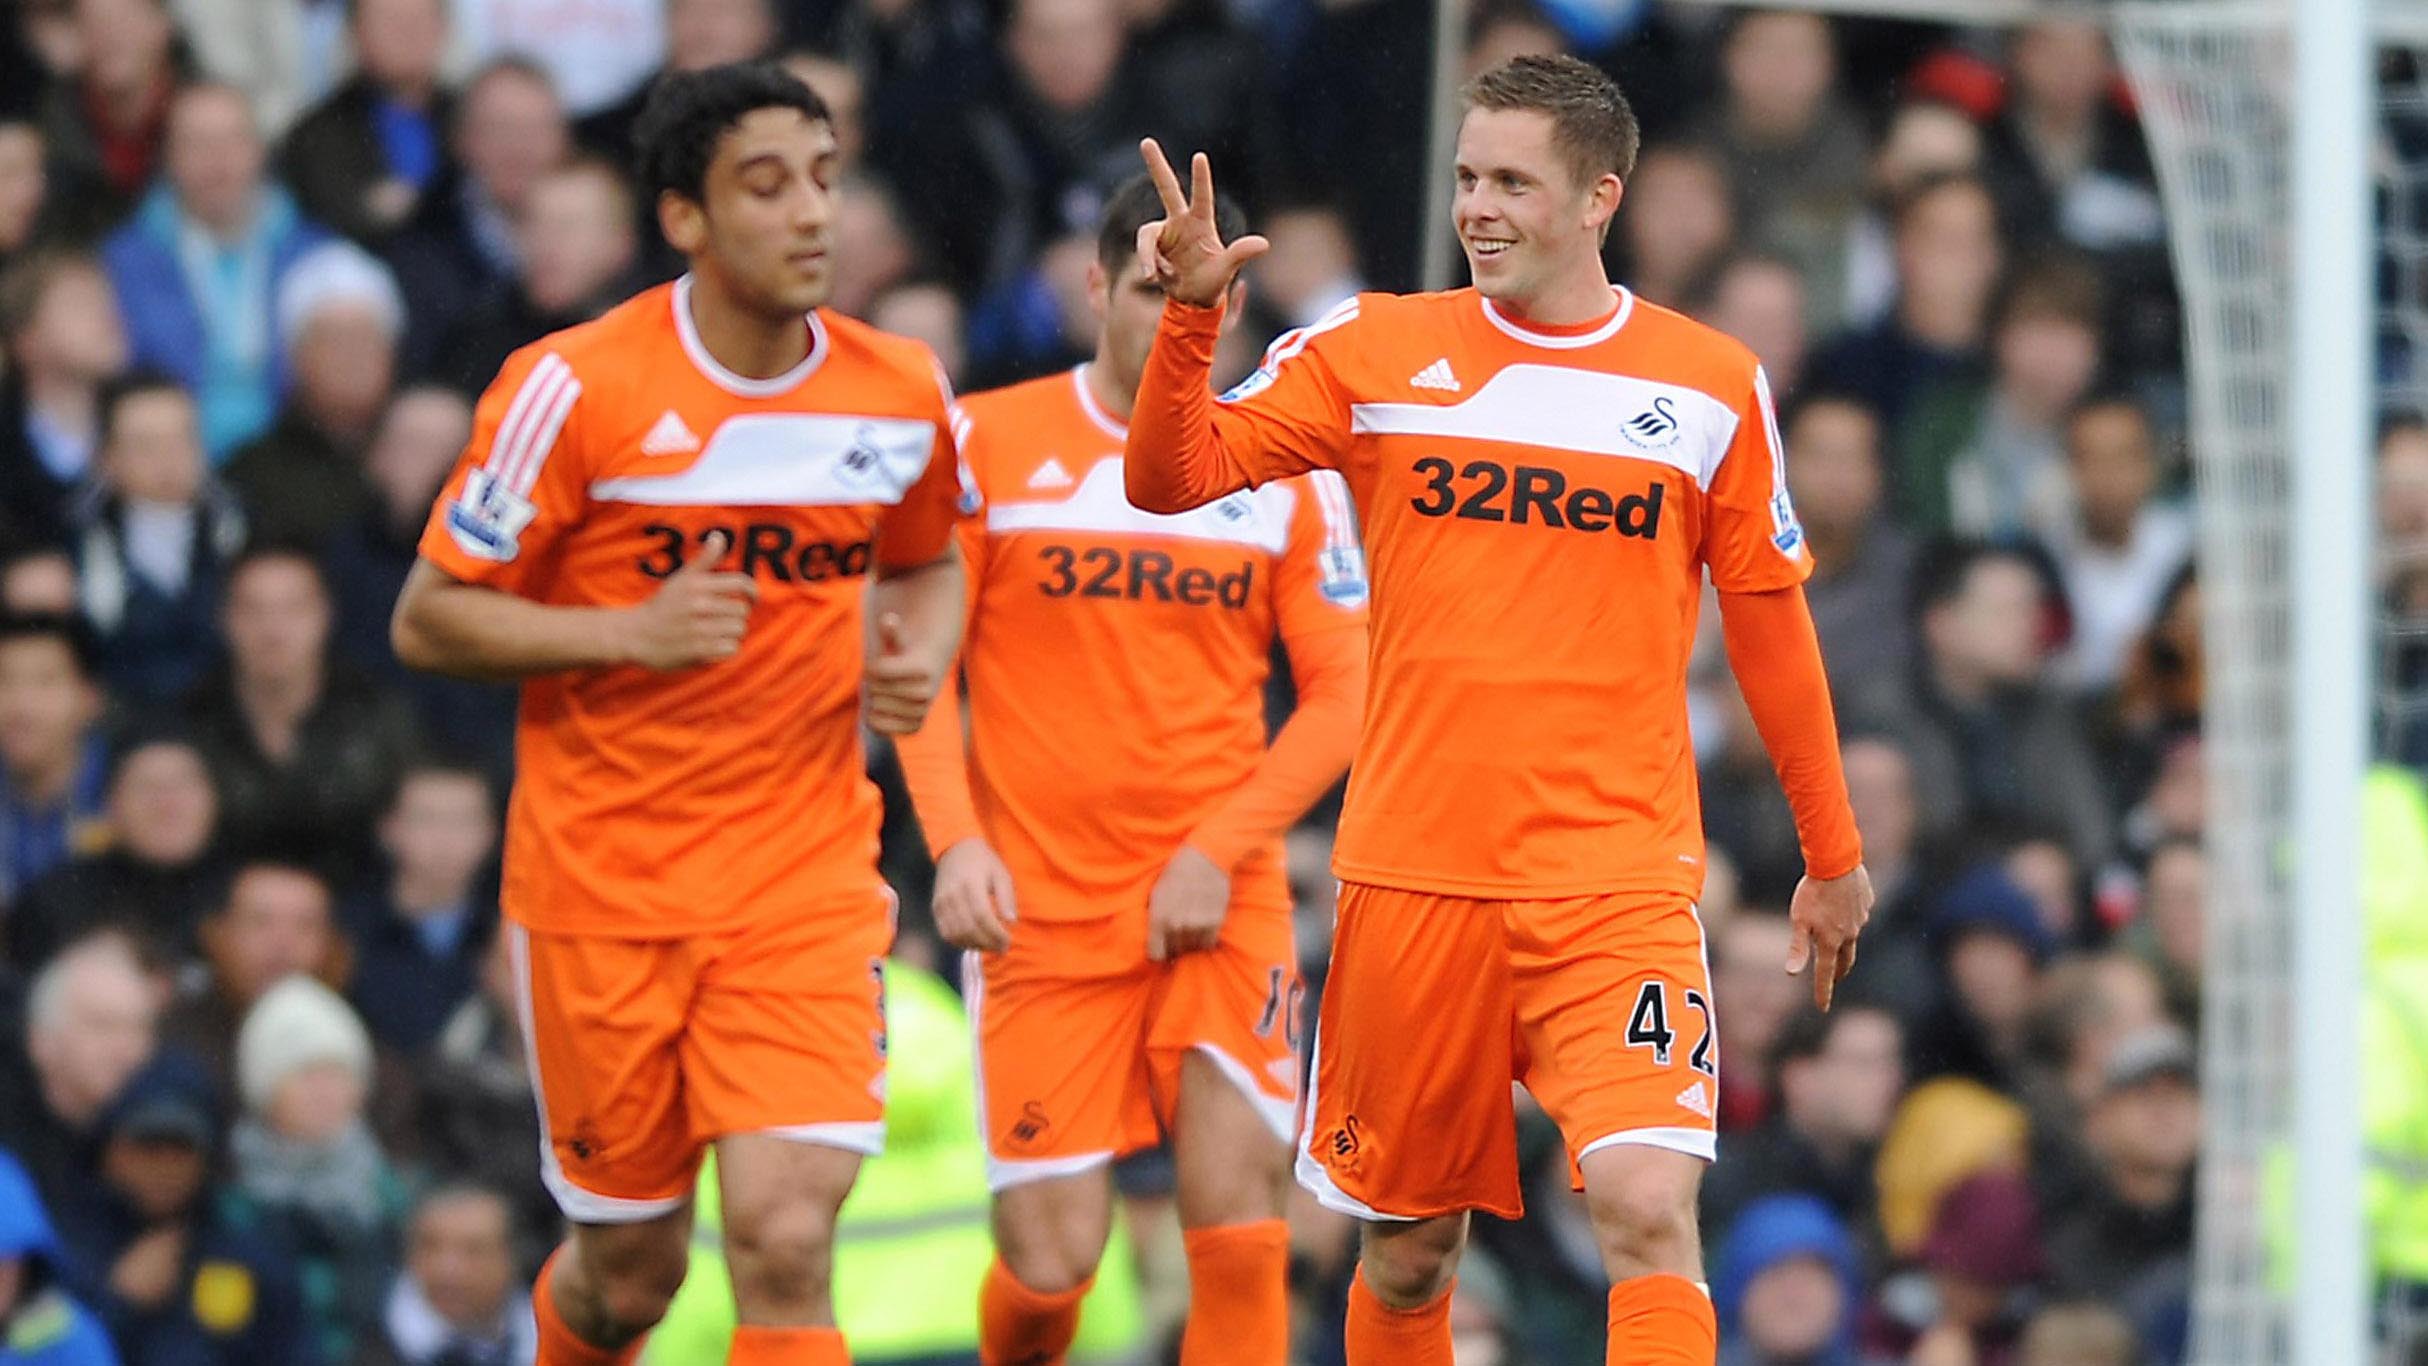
(1116,663)
(1540,507)
(659,805)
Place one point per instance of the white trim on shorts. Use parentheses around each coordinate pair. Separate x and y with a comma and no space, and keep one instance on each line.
(1003,1173)
(1702,1143)
(1311,1174)
(863,1136)
(1281,1116)
(581,1206)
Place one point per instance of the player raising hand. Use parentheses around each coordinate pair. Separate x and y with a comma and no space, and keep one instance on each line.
(1546,468)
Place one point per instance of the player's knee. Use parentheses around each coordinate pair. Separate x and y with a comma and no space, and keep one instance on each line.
(1052,1235)
(1644,1217)
(638,1280)
(781,1250)
(1412,1264)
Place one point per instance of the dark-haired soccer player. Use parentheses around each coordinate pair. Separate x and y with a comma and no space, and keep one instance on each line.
(666,525)
(1110,838)
(1545,467)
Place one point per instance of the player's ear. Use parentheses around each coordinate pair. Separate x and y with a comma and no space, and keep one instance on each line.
(1100,288)
(1602,200)
(684,223)
(1234,305)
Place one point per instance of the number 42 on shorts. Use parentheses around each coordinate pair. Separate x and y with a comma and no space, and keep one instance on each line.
(1648,1027)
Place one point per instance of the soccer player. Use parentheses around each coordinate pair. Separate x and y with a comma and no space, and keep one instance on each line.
(666,525)
(1545,467)
(1109,840)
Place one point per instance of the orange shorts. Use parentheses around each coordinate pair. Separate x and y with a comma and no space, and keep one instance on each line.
(644,1051)
(1080,1037)
(1599,1005)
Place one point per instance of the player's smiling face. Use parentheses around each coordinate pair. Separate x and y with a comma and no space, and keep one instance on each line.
(767,221)
(1523,218)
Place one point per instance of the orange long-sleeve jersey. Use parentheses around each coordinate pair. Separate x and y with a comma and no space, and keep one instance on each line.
(1540,507)
(1116,660)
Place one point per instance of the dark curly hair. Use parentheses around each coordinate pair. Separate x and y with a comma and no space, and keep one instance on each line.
(689,111)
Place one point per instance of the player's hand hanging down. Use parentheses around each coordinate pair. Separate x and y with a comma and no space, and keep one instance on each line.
(973,901)
(697,616)
(1186,909)
(1186,252)
(898,685)
(1827,914)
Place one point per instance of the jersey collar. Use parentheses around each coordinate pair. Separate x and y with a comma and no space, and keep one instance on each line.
(742,385)
(1095,411)
(1564,341)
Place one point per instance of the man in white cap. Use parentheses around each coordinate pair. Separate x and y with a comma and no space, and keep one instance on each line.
(343,314)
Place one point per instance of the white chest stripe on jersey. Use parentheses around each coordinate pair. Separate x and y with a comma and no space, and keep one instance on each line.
(1258,517)
(775,459)
(1591,412)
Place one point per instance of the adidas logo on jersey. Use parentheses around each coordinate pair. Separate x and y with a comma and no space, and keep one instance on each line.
(669,437)
(1435,376)
(1050,475)
(1697,1099)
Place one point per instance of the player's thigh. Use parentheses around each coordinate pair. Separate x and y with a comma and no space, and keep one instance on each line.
(779,1195)
(630,1271)
(1052,1231)
(1614,1010)
(787,1032)
(1223,1050)
(1642,1202)
(604,1022)
(1409,1112)
(1062,1085)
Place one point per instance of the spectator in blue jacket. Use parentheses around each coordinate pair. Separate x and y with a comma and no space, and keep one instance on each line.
(199,265)
(1787,1286)
(40,1323)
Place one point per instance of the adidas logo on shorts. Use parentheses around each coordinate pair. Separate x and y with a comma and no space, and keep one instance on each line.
(1697,1099)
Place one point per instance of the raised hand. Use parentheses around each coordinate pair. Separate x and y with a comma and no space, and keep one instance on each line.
(1184,248)
(697,616)
(1827,914)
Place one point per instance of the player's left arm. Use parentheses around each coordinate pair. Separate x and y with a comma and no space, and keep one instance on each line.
(916,604)
(1758,560)
(1319,588)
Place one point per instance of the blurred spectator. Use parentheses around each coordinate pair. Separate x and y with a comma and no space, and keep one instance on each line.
(284,54)
(1752,991)
(1948,257)
(1862,563)
(420,937)
(579,251)
(152,548)
(1040,321)
(1992,947)
(2036,861)
(304,478)
(2077,1335)
(872,249)
(1991,738)
(306,1159)
(1788,1285)
(595,52)
(24,184)
(699,34)
(153,882)
(474,1115)
(459,1300)
(59,324)
(91,1021)
(461,242)
(2173,932)
(1897,965)
(37,580)
(1836,1078)
(1481,1327)
(1744,811)
(2121,550)
(199,267)
(930,313)
(1760,300)
(106,123)
(2160,693)
(845,92)
(175,1264)
(362,158)
(2174,804)
(306,751)
(989,176)
(2129,1243)
(1792,154)
(2007,474)
(1511,28)
(2087,1005)
(1925,139)
(276,920)
(1681,223)
(41,1324)
(53,763)
(1981,1259)
(2066,159)
(1311,268)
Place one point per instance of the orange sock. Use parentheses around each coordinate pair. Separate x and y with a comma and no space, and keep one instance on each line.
(1019,1327)
(1380,1335)
(559,1345)
(1239,1295)
(754,1345)
(1662,1321)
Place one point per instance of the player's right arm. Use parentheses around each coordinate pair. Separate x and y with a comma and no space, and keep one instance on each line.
(1185,449)
(469,606)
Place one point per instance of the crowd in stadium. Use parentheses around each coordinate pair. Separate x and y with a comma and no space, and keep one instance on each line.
(262,1076)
